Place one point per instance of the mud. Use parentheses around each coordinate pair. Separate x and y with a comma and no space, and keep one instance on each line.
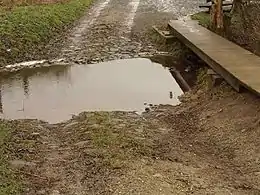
(113,29)
(207,145)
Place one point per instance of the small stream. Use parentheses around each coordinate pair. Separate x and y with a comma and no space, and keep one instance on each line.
(55,93)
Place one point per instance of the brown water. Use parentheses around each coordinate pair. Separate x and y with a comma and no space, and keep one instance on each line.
(54,94)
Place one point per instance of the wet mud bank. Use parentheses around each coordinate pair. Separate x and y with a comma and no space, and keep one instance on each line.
(206,145)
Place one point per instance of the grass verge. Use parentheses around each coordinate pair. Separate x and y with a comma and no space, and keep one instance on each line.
(203,18)
(26,29)
(9,182)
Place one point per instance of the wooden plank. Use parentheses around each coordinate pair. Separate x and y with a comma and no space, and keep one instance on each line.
(169,38)
(235,64)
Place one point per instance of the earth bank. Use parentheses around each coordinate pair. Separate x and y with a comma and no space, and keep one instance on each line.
(207,145)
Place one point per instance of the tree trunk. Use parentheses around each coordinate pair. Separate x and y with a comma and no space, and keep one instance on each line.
(216,17)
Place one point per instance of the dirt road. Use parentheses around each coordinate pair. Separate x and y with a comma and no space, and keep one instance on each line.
(116,29)
(207,145)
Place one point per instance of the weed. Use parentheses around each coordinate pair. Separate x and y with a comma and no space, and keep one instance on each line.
(203,18)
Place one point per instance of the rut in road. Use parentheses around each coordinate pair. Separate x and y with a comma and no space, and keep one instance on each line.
(103,34)
(116,29)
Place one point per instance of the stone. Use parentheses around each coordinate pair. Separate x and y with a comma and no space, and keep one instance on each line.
(82,143)
(21,163)
(113,49)
(55,192)
(95,126)
(147,109)
(158,175)
(68,126)
(41,192)
(35,134)
(40,127)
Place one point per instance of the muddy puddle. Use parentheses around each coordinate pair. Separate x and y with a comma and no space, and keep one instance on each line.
(55,93)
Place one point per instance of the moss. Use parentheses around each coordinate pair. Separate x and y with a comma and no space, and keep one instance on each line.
(203,18)
(24,29)
(10,183)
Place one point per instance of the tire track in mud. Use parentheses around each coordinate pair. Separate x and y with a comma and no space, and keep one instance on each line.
(130,21)
(115,29)
(105,37)
(85,23)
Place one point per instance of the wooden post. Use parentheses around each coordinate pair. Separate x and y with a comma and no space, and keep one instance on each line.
(216,16)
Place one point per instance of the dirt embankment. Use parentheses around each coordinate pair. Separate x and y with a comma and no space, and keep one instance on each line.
(207,145)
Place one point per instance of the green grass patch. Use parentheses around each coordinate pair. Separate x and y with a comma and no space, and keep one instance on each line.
(25,29)
(203,79)
(9,184)
(118,147)
(203,18)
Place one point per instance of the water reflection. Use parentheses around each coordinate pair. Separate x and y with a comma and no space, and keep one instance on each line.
(54,94)
(26,86)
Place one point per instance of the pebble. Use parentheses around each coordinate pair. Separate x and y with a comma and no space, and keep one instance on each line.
(21,163)
(82,143)
(70,125)
(35,134)
(41,192)
(158,175)
(55,192)
(147,109)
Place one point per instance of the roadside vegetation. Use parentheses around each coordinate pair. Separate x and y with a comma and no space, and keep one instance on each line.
(26,28)
(10,184)
(203,18)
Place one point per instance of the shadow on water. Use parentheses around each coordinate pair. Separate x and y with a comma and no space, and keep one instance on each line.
(183,70)
(55,93)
